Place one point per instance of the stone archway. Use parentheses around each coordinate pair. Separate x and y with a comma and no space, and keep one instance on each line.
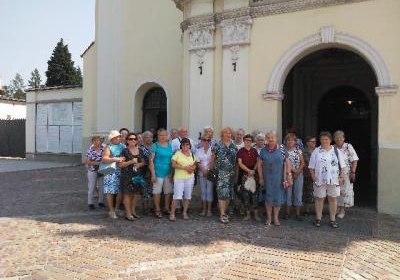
(328,38)
(334,89)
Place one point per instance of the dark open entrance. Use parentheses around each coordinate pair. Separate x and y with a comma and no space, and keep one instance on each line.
(334,89)
(154,109)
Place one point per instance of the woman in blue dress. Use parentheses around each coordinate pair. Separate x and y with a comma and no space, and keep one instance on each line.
(271,163)
(112,153)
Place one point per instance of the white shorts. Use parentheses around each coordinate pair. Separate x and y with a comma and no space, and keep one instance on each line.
(162,185)
(183,188)
(326,190)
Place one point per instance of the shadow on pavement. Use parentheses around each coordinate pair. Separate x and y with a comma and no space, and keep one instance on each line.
(58,196)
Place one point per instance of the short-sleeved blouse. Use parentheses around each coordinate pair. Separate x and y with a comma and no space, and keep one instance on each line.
(248,157)
(294,158)
(326,165)
(162,159)
(94,155)
(349,155)
(204,157)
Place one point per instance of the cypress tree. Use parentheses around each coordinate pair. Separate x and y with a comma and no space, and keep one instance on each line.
(61,70)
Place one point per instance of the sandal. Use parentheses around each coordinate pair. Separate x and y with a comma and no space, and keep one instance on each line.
(158,214)
(224,219)
(268,223)
(136,216)
(317,223)
(130,218)
(334,224)
(172,218)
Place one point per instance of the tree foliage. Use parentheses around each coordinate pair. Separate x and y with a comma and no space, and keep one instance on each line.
(35,79)
(61,70)
(16,89)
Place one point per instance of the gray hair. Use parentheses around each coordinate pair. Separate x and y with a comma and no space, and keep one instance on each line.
(259,135)
(271,133)
(338,133)
(208,127)
(147,133)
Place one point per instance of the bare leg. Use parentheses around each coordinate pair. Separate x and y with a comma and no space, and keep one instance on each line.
(110,202)
(276,215)
(221,204)
(118,201)
(319,205)
(298,211)
(256,216)
(136,199)
(332,207)
(209,205)
(204,208)
(268,208)
(157,198)
(186,203)
(173,207)
(127,198)
(167,202)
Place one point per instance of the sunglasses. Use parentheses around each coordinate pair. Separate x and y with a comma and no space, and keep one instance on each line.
(206,140)
(131,139)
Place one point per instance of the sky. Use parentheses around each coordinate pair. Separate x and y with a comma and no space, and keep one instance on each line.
(30,30)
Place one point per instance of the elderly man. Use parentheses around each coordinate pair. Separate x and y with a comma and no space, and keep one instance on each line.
(176,143)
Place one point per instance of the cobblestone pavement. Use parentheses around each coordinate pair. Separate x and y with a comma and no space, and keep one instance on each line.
(48,233)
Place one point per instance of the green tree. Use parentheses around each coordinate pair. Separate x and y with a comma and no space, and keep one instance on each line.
(16,89)
(78,76)
(35,80)
(61,70)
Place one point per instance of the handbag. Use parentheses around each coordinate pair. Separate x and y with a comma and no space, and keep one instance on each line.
(212,175)
(250,184)
(139,180)
(107,168)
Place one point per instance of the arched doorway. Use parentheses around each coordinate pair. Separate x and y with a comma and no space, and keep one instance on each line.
(154,109)
(333,89)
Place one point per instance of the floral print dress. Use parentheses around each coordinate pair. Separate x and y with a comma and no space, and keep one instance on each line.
(346,198)
(225,167)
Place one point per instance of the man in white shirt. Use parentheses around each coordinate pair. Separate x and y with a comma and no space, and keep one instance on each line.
(239,138)
(176,143)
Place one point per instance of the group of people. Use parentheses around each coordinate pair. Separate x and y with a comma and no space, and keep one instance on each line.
(239,171)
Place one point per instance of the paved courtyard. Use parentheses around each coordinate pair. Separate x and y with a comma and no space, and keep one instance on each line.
(48,233)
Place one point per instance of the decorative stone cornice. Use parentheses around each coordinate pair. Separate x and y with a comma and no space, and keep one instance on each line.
(236,31)
(201,36)
(262,8)
(387,90)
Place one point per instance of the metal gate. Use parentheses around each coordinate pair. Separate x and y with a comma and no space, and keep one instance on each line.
(12,138)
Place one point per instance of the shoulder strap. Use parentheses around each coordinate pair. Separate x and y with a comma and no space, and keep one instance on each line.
(337,155)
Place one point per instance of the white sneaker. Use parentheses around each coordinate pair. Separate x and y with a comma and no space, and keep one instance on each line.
(112,215)
(340,215)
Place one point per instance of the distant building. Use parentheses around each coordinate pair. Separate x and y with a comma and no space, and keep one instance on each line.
(11,108)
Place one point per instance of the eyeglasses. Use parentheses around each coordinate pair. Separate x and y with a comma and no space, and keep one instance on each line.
(131,139)
(248,140)
(312,141)
(206,140)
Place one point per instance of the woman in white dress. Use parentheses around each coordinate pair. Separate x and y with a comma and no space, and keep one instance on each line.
(346,198)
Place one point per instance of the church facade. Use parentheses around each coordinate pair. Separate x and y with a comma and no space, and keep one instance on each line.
(255,64)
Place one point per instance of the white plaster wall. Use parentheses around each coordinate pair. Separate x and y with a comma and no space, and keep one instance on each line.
(201,93)
(14,111)
(109,58)
(235,89)
(235,4)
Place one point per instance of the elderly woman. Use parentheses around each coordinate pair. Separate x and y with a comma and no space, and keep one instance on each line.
(160,170)
(239,138)
(260,142)
(308,197)
(271,165)
(145,149)
(326,170)
(184,163)
(112,153)
(224,160)
(294,193)
(132,180)
(93,159)
(247,161)
(203,155)
(346,198)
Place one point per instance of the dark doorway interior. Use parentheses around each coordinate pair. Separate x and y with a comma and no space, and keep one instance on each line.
(154,109)
(334,89)
(347,108)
